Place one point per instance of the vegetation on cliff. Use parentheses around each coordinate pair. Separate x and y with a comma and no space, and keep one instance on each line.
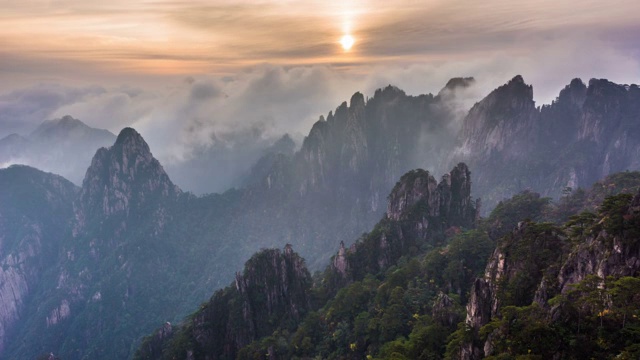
(404,297)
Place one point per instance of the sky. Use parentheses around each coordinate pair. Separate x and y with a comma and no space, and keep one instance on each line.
(193,74)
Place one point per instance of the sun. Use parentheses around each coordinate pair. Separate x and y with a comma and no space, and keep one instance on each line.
(347,42)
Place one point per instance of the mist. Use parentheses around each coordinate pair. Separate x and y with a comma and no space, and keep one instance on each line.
(208,130)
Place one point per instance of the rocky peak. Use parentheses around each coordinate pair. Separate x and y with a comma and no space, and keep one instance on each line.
(282,278)
(413,187)
(606,98)
(129,136)
(65,122)
(516,94)
(450,198)
(501,127)
(284,145)
(419,210)
(607,107)
(357,100)
(66,127)
(574,94)
(124,177)
(388,92)
(340,260)
(271,293)
(507,103)
(455,84)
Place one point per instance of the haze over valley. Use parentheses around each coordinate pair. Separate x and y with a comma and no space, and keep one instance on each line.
(336,180)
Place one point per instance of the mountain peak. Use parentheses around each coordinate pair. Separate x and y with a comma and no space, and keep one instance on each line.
(604,87)
(517,80)
(68,119)
(63,124)
(388,92)
(124,177)
(577,82)
(459,82)
(417,190)
(131,136)
(127,133)
(573,94)
(454,85)
(68,127)
(357,100)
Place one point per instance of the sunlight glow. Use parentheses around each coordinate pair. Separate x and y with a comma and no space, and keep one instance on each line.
(347,42)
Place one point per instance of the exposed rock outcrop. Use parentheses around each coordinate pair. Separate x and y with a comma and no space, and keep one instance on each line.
(444,311)
(586,134)
(335,185)
(123,179)
(419,211)
(605,254)
(34,212)
(272,292)
(537,262)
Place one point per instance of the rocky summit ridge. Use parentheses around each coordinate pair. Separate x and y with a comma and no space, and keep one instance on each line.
(587,133)
(129,233)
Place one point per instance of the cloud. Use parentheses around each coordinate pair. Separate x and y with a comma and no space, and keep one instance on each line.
(114,38)
(21,110)
(243,112)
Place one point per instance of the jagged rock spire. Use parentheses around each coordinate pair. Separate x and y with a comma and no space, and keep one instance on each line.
(123,177)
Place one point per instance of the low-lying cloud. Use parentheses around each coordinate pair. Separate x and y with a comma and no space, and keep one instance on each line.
(232,119)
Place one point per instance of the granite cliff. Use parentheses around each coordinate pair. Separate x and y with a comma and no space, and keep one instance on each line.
(35,208)
(542,265)
(274,295)
(587,133)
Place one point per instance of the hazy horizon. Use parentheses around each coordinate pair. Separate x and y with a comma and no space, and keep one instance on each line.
(191,76)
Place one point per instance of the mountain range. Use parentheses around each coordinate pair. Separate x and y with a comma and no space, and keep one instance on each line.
(64,146)
(88,271)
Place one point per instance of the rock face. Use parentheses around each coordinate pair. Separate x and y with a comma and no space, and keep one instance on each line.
(605,253)
(537,261)
(274,288)
(334,187)
(101,268)
(63,146)
(34,211)
(419,211)
(444,311)
(122,180)
(272,292)
(508,112)
(133,234)
(584,135)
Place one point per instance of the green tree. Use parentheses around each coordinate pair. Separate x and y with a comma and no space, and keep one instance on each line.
(625,297)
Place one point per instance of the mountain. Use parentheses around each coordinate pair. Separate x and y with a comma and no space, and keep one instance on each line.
(12,146)
(274,292)
(63,146)
(35,208)
(277,153)
(223,164)
(541,289)
(333,188)
(587,133)
(546,273)
(134,251)
(114,250)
